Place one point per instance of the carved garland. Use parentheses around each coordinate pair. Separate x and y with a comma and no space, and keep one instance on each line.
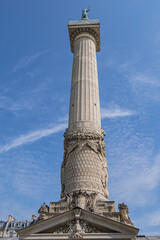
(83,133)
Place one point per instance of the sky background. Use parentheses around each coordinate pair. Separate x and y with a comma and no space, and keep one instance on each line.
(35,79)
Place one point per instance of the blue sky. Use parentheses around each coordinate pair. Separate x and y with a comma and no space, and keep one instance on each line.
(35,79)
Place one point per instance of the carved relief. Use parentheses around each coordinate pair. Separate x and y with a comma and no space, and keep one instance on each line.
(85,227)
(76,227)
(84,165)
(83,131)
(81,199)
(124,211)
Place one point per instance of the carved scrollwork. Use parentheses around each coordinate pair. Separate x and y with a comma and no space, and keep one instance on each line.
(71,227)
(76,235)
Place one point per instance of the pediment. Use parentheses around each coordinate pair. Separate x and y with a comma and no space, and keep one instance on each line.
(78,223)
(85,226)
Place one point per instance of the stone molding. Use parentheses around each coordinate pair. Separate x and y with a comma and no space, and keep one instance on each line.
(88,30)
(84,130)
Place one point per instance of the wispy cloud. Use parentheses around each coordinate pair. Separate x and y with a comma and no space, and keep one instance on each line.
(145,85)
(145,79)
(63,119)
(116,112)
(28,99)
(151,222)
(139,182)
(32,137)
(131,171)
(25,61)
(33,167)
(154,219)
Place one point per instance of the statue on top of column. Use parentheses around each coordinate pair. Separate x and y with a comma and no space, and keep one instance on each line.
(85,13)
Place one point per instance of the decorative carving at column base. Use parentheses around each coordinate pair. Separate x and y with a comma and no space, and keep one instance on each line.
(84,166)
(82,199)
(89,201)
(84,130)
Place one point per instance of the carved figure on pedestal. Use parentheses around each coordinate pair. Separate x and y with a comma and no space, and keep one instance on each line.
(85,13)
(44,209)
(105,178)
(124,211)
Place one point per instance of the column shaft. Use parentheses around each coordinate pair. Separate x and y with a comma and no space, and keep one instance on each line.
(84,100)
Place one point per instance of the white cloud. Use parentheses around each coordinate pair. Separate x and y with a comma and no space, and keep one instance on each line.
(32,137)
(144,83)
(38,174)
(63,119)
(116,112)
(137,187)
(145,79)
(145,86)
(149,222)
(25,61)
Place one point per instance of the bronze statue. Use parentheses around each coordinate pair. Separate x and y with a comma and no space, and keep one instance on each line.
(85,13)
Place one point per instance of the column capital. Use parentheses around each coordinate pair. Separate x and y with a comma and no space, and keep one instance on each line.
(77,27)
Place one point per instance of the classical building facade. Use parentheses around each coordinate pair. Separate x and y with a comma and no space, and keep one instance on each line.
(84,210)
(8,229)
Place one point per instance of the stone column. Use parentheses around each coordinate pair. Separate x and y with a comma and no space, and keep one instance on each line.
(84,99)
(84,170)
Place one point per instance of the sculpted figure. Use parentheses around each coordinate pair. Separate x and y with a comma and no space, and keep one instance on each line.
(85,13)
(101,147)
(91,201)
(63,170)
(124,211)
(65,151)
(44,208)
(62,180)
(105,178)
(42,211)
